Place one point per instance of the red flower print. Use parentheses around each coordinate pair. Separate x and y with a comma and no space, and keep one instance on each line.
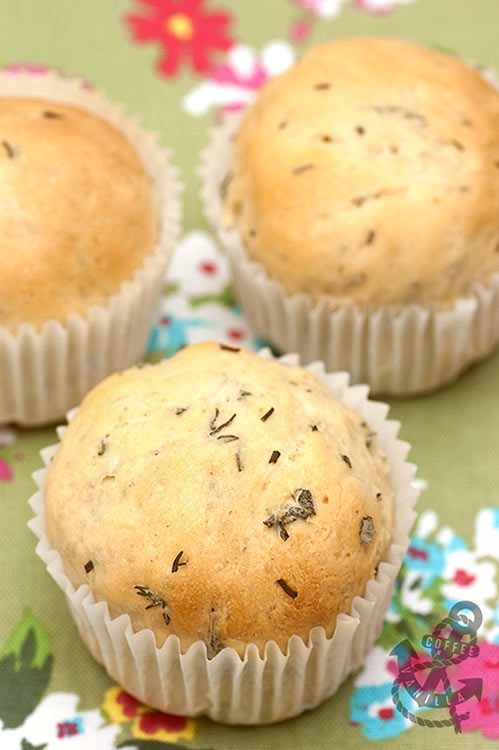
(152,722)
(185,30)
(236,334)
(69,728)
(130,705)
(386,713)
(147,723)
(417,554)
(462,578)
(208,267)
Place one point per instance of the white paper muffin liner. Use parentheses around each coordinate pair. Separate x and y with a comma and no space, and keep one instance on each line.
(253,689)
(44,373)
(399,352)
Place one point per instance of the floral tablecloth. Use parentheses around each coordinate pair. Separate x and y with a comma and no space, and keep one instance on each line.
(180,64)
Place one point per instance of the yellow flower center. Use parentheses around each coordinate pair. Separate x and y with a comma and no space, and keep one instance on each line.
(180,26)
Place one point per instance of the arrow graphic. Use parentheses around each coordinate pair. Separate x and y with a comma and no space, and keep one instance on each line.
(472,687)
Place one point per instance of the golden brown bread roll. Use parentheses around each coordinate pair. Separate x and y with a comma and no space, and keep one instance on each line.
(220,497)
(369,172)
(77,215)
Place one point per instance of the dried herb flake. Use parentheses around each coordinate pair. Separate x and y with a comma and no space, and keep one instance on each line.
(155,601)
(214,420)
(102,447)
(228,438)
(214,428)
(180,410)
(289,591)
(359,200)
(289,513)
(243,394)
(227,348)
(267,414)
(346,459)
(366,531)
(359,278)
(214,643)
(51,115)
(11,150)
(303,168)
(176,563)
(88,566)
(409,114)
(274,457)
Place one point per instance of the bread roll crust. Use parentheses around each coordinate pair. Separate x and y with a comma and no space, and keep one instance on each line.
(369,172)
(77,215)
(147,470)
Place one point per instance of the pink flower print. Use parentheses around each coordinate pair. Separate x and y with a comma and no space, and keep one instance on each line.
(484,714)
(235,81)
(6,473)
(7,436)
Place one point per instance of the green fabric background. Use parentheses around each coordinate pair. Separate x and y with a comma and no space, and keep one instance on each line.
(454,433)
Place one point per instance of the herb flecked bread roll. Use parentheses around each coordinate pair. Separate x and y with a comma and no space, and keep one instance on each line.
(220,497)
(369,172)
(77,216)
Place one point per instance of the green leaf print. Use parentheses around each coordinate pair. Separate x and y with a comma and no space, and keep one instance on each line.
(25,669)
(412,625)
(169,288)
(225,297)
(25,745)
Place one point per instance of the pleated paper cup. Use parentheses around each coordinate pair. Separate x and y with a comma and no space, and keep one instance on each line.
(397,351)
(255,689)
(44,373)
